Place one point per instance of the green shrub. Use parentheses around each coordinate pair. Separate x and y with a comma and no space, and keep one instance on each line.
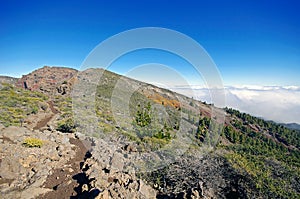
(66,126)
(33,142)
(155,143)
(34,110)
(17,103)
(143,115)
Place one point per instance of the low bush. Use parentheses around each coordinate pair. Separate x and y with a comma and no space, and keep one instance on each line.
(66,126)
(33,142)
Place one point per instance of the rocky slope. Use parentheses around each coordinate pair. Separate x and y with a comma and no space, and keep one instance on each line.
(23,170)
(50,80)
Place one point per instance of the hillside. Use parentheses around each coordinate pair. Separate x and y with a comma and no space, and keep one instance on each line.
(117,138)
(292,126)
(6,79)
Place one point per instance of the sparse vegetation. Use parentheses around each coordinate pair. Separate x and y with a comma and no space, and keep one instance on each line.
(16,104)
(33,142)
(149,129)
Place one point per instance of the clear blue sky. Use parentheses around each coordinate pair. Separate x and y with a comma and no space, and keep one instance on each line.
(251,42)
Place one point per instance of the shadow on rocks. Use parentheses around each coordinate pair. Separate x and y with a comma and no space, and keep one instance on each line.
(83,190)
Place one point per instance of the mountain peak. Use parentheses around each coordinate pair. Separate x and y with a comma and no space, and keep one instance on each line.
(46,79)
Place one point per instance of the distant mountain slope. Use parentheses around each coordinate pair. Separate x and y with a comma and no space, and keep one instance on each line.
(6,79)
(292,126)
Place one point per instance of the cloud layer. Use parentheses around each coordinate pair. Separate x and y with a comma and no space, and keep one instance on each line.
(280,104)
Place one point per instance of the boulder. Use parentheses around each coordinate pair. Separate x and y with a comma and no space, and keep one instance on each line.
(14,133)
(117,162)
(146,190)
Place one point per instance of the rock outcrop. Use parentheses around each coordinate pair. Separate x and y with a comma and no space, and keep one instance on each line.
(49,80)
(23,170)
(105,171)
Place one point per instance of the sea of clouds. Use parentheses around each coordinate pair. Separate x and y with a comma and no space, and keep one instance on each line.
(278,103)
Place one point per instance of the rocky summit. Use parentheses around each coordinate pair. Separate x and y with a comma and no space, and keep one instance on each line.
(96,134)
(49,80)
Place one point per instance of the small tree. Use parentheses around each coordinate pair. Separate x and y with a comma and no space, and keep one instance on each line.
(143,115)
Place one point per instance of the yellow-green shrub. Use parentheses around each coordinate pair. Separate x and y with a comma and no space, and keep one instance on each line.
(33,142)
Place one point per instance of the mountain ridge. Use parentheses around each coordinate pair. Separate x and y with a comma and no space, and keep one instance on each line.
(192,154)
(19,82)
(294,126)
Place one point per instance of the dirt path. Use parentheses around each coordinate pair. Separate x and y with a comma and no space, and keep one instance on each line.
(54,111)
(44,121)
(66,182)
